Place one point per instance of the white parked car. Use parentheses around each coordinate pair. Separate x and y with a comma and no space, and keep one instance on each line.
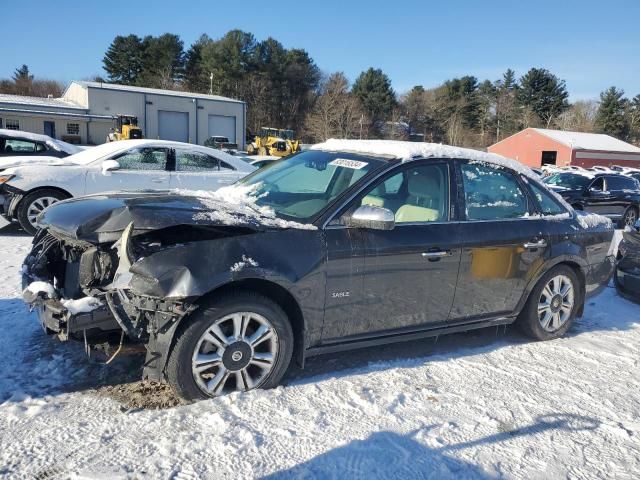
(128,165)
(18,148)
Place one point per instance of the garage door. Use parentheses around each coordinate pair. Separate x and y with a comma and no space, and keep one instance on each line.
(222,126)
(173,126)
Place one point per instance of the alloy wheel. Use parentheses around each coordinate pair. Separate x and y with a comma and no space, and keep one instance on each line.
(630,217)
(37,206)
(556,303)
(236,353)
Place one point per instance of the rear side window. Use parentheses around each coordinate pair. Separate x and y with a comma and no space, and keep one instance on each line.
(491,193)
(548,205)
(19,146)
(621,183)
(195,162)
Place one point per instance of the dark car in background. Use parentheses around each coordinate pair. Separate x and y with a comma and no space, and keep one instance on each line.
(349,244)
(18,143)
(610,194)
(627,277)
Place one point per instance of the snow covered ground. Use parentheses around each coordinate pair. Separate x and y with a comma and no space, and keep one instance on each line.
(487,404)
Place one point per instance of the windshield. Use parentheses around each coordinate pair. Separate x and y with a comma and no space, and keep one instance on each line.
(90,154)
(299,187)
(568,180)
(64,146)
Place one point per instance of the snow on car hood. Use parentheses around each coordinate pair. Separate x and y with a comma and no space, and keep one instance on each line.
(10,162)
(103,218)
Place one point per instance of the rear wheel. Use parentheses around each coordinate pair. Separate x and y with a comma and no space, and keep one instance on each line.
(33,204)
(552,305)
(629,218)
(262,151)
(237,343)
(251,150)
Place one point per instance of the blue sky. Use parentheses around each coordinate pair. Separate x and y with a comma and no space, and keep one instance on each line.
(591,44)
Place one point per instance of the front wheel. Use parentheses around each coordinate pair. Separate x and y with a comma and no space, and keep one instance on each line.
(34,204)
(552,305)
(236,343)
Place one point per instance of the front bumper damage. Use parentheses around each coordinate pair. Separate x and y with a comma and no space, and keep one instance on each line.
(59,271)
(10,198)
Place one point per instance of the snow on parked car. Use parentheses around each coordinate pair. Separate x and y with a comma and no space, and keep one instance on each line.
(346,245)
(19,148)
(132,165)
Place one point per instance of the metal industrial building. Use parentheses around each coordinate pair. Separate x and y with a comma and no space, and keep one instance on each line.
(84,114)
(539,146)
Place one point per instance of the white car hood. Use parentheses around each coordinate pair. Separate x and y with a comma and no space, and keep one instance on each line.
(10,162)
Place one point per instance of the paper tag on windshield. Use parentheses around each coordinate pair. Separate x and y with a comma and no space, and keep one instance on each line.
(343,162)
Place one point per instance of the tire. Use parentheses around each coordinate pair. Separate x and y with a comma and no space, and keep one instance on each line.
(251,150)
(262,151)
(228,365)
(629,218)
(531,322)
(34,203)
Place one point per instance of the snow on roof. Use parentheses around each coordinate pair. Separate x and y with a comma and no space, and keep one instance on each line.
(407,151)
(155,91)
(52,142)
(39,101)
(588,141)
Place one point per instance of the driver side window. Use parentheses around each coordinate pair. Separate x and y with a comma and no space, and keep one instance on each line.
(414,195)
(143,158)
(597,184)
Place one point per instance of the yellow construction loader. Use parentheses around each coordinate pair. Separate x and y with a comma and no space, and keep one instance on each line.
(126,128)
(274,141)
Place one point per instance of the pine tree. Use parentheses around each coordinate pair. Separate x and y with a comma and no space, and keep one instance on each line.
(373,89)
(23,81)
(544,94)
(195,78)
(162,61)
(611,117)
(123,61)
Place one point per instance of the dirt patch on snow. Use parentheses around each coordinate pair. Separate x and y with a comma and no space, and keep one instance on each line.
(143,395)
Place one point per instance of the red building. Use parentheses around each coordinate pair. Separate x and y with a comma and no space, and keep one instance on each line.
(538,146)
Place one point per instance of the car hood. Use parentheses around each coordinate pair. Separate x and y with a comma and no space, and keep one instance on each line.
(10,162)
(102,218)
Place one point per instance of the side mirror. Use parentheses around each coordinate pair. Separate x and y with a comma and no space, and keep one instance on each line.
(372,217)
(109,166)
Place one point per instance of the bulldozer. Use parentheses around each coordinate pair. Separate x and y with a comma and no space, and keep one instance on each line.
(277,142)
(126,128)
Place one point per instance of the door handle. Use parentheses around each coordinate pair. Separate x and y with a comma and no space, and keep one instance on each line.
(538,244)
(225,181)
(158,180)
(436,254)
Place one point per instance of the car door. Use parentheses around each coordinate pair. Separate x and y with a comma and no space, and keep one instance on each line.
(200,171)
(139,168)
(597,199)
(502,244)
(399,279)
(621,190)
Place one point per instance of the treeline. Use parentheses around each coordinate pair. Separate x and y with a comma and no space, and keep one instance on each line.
(285,88)
(22,82)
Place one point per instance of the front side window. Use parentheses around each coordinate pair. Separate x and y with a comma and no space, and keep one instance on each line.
(492,193)
(570,181)
(73,129)
(548,205)
(144,158)
(301,186)
(415,195)
(597,185)
(187,161)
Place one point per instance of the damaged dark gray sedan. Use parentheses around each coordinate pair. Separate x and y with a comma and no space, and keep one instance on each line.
(350,244)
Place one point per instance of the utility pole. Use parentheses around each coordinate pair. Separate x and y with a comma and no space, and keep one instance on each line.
(361,122)
(211,83)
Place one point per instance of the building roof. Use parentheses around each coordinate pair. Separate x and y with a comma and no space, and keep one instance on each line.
(588,141)
(154,91)
(39,101)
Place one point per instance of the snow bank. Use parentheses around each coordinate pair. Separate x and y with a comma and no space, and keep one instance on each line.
(407,151)
(235,204)
(82,305)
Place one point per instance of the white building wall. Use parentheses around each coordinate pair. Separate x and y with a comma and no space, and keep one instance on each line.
(146,106)
(34,123)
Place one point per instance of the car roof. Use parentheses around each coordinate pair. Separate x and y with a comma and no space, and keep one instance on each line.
(408,151)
